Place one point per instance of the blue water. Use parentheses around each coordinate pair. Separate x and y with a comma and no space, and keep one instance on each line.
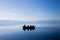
(48,30)
(40,33)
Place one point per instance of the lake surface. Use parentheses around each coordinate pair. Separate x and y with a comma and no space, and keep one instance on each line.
(40,33)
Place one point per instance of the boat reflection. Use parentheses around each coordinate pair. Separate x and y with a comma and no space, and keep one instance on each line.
(31,27)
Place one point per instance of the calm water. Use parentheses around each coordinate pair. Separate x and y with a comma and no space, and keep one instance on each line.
(40,33)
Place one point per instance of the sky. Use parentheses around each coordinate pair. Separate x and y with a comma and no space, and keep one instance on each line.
(29,10)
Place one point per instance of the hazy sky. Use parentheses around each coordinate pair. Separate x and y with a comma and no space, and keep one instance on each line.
(29,10)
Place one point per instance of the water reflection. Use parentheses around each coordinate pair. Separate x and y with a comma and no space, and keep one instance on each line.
(31,27)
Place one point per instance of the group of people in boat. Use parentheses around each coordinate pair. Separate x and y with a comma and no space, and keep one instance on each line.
(28,27)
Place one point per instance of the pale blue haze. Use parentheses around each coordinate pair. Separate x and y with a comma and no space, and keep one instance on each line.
(29,10)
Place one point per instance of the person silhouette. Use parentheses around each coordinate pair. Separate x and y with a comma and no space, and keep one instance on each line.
(24,27)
